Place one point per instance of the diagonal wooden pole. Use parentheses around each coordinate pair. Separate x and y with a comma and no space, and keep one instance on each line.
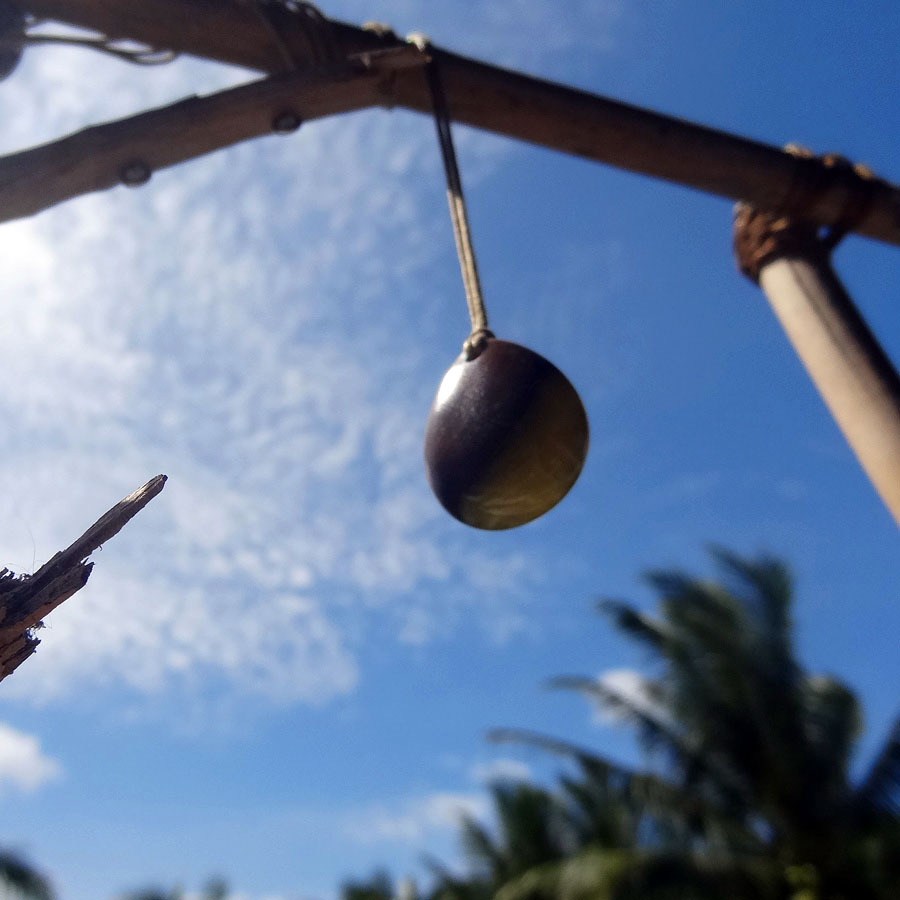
(791,262)
(512,104)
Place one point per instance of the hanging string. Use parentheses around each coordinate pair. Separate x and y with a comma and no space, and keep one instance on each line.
(480,333)
(140,55)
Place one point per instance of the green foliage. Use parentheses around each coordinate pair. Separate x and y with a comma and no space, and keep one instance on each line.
(20,879)
(750,795)
(214,889)
(379,886)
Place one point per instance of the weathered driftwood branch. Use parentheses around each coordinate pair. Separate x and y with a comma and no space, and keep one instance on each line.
(518,106)
(25,600)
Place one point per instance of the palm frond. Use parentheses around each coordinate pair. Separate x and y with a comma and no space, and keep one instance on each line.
(669,804)
(635,624)
(483,855)
(880,789)
(378,886)
(765,587)
(832,721)
(21,877)
(654,725)
(657,729)
(450,886)
(589,875)
(598,874)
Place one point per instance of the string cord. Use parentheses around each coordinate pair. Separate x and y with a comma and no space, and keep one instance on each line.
(315,30)
(468,265)
(142,56)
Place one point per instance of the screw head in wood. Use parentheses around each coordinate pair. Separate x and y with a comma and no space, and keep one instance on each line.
(135,173)
(286,122)
(506,437)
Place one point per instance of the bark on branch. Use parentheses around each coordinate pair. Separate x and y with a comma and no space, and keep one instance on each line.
(25,600)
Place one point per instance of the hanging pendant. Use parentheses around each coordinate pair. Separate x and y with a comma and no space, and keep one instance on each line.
(507,434)
(506,437)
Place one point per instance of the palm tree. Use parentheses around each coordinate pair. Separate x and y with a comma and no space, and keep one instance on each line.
(20,879)
(531,828)
(756,798)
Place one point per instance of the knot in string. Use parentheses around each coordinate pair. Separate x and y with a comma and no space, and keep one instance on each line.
(480,333)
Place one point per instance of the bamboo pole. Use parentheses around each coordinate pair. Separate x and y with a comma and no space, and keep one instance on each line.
(854,376)
(515,105)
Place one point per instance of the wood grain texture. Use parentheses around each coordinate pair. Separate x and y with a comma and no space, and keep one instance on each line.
(98,158)
(25,600)
(521,107)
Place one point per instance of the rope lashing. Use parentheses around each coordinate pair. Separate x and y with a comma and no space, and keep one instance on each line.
(468,265)
(140,56)
(16,33)
(761,236)
(321,47)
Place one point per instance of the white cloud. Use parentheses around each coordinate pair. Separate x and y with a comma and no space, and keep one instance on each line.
(23,765)
(227,326)
(503,769)
(259,325)
(632,688)
(688,488)
(414,819)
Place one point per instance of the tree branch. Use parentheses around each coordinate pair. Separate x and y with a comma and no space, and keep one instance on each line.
(26,600)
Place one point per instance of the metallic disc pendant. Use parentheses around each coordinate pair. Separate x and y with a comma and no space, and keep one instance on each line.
(506,438)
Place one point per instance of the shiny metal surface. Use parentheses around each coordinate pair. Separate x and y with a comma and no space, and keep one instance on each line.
(506,438)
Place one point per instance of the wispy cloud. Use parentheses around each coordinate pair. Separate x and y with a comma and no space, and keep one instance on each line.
(413,820)
(23,765)
(255,325)
(502,769)
(631,687)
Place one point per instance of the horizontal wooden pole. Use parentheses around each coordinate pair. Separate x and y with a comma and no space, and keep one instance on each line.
(518,106)
(628,137)
(129,150)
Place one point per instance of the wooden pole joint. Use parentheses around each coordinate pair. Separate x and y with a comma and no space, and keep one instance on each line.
(791,261)
(761,237)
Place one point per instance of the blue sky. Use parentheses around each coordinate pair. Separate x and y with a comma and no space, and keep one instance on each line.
(282,671)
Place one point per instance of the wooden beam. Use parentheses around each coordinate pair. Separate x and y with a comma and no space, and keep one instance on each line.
(129,150)
(791,262)
(518,106)
(230,31)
